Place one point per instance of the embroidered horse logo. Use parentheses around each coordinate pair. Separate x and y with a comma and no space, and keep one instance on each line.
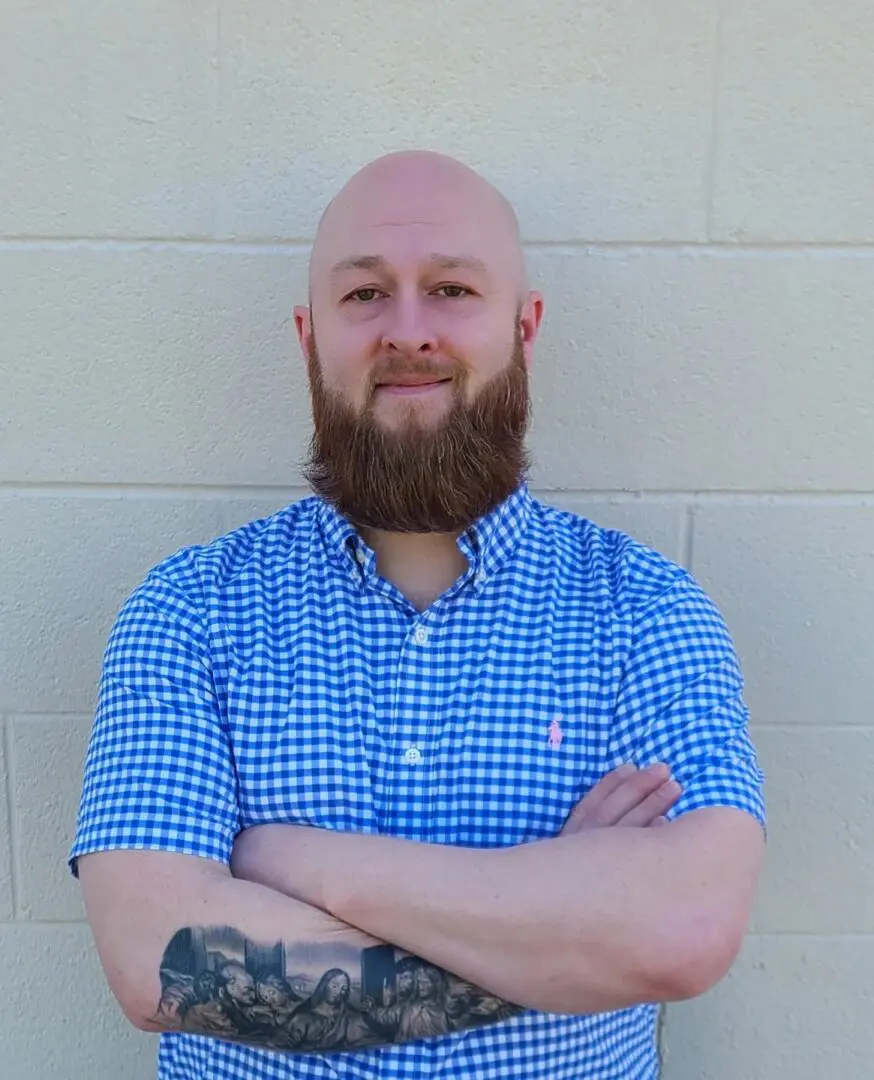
(554,735)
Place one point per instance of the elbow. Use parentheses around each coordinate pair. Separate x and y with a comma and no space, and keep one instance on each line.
(699,954)
(133,1004)
(661,965)
(132,1008)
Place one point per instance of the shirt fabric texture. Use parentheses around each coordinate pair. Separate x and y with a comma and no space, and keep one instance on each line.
(274,676)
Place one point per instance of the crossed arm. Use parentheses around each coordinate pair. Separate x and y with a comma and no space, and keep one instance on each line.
(595,919)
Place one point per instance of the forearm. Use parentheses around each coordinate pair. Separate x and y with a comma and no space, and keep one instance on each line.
(183,950)
(576,924)
(482,913)
(556,928)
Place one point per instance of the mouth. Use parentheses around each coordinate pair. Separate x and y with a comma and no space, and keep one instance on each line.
(418,386)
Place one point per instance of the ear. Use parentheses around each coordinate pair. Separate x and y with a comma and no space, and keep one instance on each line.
(303,324)
(530,318)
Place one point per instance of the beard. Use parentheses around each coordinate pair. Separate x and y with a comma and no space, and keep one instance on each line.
(421,478)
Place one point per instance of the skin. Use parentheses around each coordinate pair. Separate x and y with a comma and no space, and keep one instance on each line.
(404,307)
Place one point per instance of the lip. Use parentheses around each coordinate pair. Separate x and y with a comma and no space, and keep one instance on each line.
(411,387)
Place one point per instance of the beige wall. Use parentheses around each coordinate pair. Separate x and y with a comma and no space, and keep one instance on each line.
(696,183)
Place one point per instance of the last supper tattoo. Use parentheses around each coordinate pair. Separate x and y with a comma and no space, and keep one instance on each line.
(312,998)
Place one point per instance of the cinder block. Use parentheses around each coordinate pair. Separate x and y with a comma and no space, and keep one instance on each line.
(68,565)
(678,371)
(819,865)
(796,585)
(49,755)
(161,366)
(659,527)
(109,119)
(794,156)
(239,510)
(793,1006)
(64,1021)
(6,906)
(605,136)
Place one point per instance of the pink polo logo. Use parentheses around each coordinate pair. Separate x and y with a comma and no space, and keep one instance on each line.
(555,735)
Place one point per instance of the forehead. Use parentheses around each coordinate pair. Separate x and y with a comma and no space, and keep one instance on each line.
(405,247)
(403,234)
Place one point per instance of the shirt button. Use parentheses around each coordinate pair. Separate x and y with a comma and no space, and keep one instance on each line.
(360,557)
(412,755)
(420,635)
(481,578)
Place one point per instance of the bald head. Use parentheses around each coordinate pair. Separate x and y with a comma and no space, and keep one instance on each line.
(409,201)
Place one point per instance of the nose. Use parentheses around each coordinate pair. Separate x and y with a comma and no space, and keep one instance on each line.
(409,331)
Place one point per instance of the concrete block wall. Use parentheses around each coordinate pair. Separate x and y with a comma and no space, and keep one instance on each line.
(695,180)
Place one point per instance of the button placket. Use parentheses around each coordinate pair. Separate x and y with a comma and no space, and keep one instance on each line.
(411,742)
(409,745)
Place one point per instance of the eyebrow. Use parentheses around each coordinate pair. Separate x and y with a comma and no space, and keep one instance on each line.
(435,261)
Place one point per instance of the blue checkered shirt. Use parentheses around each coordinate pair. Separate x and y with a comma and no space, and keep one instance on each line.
(274,676)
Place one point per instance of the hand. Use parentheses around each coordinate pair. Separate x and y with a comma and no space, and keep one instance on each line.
(626,796)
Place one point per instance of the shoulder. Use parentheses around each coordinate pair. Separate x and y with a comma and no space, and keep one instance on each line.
(633,579)
(262,549)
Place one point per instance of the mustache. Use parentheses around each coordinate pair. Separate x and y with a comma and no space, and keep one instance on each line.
(396,367)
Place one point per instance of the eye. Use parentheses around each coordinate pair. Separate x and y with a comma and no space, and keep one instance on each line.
(365,296)
(454,292)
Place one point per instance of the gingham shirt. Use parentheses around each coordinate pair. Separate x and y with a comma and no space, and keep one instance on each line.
(274,676)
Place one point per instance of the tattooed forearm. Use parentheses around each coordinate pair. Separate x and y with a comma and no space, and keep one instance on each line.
(312,998)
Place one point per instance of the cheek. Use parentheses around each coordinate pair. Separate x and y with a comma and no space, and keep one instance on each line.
(347,375)
(484,364)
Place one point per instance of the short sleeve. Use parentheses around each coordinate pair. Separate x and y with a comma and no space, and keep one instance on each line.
(681,702)
(159,771)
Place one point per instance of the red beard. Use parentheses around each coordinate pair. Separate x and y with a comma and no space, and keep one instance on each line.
(421,479)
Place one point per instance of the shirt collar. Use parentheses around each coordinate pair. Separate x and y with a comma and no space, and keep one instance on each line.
(487,544)
(491,540)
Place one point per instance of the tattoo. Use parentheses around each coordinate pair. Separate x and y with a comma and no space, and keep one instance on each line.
(312,998)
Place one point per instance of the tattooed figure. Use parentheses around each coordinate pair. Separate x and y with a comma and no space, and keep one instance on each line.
(327,1019)
(468,1002)
(229,1007)
(387,1015)
(276,1002)
(425,1013)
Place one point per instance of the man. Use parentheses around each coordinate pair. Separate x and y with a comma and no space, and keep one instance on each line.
(422,709)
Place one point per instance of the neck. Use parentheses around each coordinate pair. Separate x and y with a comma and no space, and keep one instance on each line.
(422,565)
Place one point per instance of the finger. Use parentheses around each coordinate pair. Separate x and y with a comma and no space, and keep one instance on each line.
(607,785)
(654,805)
(657,822)
(586,809)
(631,793)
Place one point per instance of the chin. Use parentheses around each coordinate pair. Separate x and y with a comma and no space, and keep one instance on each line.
(415,415)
